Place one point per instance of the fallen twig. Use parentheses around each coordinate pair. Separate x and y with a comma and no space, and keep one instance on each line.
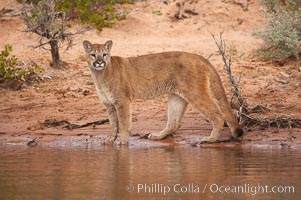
(180,14)
(53,123)
(281,81)
(32,143)
(74,126)
(191,12)
(70,126)
(276,122)
(4,12)
(245,7)
(259,109)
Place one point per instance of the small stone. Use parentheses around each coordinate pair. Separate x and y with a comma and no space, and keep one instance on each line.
(281,81)
(32,143)
(44,77)
(285,74)
(240,21)
(76,89)
(86,92)
(87,73)
(90,82)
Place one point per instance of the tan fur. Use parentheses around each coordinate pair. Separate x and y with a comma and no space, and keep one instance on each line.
(185,77)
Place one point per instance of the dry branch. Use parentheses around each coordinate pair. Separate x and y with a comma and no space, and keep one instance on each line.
(276,122)
(4,12)
(227,59)
(244,114)
(75,126)
(180,14)
(50,25)
(244,7)
(54,123)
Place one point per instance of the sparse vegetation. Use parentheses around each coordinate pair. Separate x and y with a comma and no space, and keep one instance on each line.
(11,69)
(96,13)
(244,111)
(227,60)
(282,34)
(46,21)
(273,5)
(8,65)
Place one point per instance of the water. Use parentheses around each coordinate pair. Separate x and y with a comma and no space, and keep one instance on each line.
(180,173)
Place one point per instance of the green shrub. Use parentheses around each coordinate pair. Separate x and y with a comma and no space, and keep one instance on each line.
(282,33)
(11,70)
(273,5)
(97,13)
(35,2)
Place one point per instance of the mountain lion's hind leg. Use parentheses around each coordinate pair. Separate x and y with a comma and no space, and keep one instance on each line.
(176,108)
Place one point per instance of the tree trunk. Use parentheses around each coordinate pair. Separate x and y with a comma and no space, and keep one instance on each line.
(56,62)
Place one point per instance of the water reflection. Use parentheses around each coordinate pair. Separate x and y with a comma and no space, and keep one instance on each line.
(107,173)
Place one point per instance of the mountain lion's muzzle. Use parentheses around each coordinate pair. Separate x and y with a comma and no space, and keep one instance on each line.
(99,64)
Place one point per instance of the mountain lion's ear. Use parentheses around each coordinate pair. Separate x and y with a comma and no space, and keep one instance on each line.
(87,45)
(108,45)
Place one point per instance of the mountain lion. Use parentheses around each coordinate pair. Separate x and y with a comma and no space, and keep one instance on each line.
(185,77)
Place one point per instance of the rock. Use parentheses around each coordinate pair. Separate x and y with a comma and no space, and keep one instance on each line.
(44,77)
(285,74)
(90,82)
(281,81)
(279,62)
(86,92)
(87,73)
(32,143)
(240,21)
(76,89)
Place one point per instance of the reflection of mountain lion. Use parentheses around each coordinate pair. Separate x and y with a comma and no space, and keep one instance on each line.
(185,77)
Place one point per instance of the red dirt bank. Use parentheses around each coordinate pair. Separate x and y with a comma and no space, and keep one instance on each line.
(68,95)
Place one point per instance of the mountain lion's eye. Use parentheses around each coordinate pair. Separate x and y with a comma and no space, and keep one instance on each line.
(104,54)
(93,55)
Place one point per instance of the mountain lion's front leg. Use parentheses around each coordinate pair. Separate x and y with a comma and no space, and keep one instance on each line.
(124,120)
(113,121)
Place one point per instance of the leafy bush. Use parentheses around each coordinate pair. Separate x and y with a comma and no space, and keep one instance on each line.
(272,5)
(8,64)
(35,2)
(97,13)
(11,70)
(282,34)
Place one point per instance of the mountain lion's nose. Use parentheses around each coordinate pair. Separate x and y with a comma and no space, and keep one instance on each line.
(98,64)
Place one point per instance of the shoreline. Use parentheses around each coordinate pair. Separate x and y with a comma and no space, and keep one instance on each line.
(137,142)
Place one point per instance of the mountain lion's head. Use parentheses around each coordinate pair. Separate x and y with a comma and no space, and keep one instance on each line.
(98,55)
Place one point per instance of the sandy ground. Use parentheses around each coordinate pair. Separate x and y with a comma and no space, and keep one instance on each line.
(67,94)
